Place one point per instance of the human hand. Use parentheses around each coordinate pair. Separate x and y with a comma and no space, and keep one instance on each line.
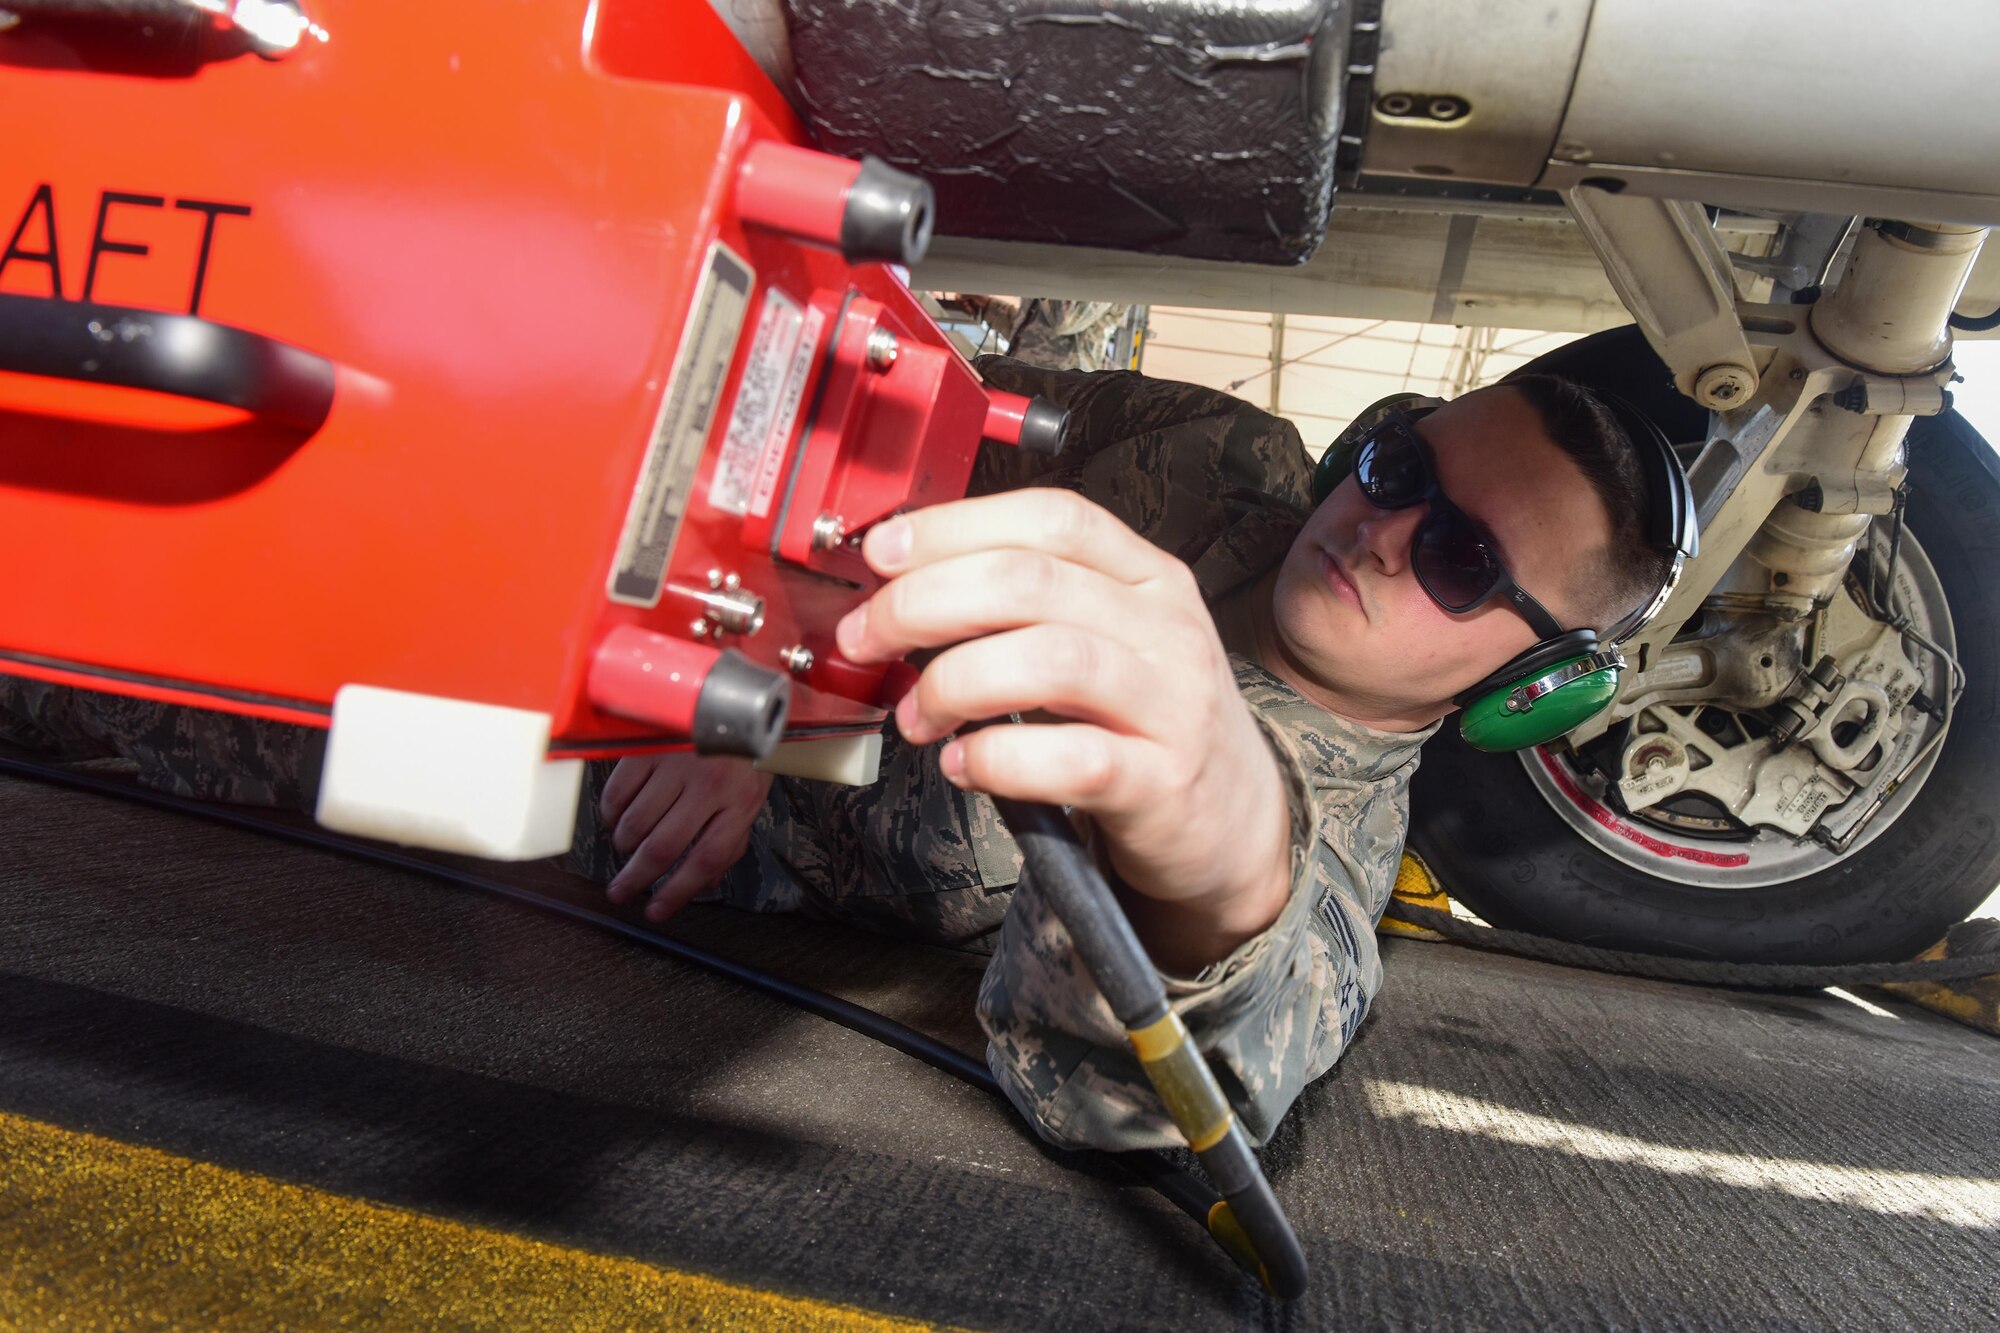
(659,806)
(1055,605)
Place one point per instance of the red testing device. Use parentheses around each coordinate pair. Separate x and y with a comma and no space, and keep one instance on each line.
(495,395)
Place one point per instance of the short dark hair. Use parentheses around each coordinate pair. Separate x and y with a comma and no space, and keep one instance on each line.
(1584,427)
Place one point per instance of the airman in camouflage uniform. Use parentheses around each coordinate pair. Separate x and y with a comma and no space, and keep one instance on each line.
(1214,481)
(1224,487)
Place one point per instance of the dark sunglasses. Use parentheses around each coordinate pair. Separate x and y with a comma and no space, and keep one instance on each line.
(1454,562)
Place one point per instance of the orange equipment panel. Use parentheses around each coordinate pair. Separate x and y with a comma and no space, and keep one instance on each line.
(451,355)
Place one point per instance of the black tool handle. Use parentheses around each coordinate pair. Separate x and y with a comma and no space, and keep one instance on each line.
(183,355)
(1251,1217)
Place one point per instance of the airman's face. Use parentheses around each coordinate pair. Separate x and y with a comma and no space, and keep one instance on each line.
(1349,613)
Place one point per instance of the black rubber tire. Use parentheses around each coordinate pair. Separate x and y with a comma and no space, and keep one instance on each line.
(1497,845)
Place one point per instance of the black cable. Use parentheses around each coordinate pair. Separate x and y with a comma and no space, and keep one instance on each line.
(1118,963)
(1154,1169)
(1782,976)
(1976,323)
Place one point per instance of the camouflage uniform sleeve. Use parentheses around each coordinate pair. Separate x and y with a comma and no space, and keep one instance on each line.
(1272,1016)
(1132,437)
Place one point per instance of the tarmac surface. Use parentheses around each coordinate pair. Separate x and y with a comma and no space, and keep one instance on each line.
(314,1050)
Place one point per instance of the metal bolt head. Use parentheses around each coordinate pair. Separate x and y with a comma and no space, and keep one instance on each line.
(829,530)
(798,658)
(699,629)
(882,349)
(1722,387)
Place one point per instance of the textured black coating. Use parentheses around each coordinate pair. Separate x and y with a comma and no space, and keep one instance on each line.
(1167,126)
(1082,901)
(176,354)
(888,216)
(1044,427)
(741,709)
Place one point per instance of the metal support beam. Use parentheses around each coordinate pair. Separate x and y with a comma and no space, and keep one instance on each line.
(1666,265)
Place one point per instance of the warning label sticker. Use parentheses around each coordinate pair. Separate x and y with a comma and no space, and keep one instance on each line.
(767,405)
(773,460)
(694,392)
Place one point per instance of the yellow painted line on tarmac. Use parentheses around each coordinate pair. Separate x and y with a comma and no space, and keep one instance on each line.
(101,1235)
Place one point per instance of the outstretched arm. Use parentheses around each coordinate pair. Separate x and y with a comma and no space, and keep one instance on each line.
(1046,603)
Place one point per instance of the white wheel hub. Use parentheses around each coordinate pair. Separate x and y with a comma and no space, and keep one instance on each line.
(1786,794)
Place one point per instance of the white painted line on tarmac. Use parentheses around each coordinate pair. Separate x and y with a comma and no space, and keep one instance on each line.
(1853,999)
(1962,1201)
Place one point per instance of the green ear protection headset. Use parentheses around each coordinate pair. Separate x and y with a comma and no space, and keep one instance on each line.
(1549,689)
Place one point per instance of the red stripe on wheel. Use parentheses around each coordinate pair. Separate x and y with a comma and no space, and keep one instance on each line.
(1596,809)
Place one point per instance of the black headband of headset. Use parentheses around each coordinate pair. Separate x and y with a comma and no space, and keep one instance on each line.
(1671,524)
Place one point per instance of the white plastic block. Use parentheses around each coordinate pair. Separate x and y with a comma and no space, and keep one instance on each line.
(853,760)
(446,774)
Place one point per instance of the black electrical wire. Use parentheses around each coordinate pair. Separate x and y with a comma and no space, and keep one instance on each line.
(1975,323)
(1155,1169)
(1110,951)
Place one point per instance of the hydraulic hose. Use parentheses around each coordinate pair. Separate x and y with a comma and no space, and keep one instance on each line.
(1154,1169)
(1105,943)
(1975,323)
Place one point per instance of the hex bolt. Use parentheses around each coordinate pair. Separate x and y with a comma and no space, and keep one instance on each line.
(798,658)
(829,530)
(1723,387)
(882,349)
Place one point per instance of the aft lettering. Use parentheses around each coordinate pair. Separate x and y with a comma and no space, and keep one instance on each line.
(36,227)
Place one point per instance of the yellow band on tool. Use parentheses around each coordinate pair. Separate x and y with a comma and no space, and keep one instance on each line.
(1214,1135)
(1183,1080)
(1156,1041)
(1228,1232)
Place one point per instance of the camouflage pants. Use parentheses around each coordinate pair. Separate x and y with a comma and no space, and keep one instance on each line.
(937,866)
